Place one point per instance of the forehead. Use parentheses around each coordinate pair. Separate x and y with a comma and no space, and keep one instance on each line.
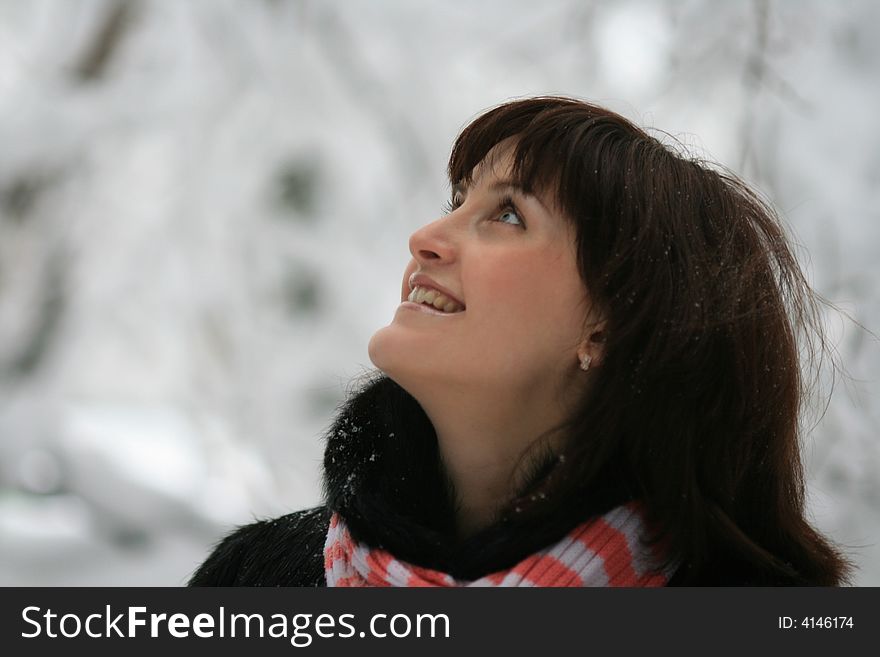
(498,164)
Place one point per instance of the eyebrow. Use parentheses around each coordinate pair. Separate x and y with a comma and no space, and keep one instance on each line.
(509,184)
(498,184)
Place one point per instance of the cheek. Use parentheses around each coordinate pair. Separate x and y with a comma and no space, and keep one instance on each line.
(551,280)
(536,296)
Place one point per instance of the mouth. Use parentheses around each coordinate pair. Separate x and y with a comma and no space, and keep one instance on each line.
(433,300)
(425,309)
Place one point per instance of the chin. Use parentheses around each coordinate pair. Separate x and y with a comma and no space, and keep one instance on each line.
(389,353)
(383,358)
(384,350)
(398,358)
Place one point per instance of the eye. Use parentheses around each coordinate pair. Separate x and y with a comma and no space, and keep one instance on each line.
(510,216)
(454,203)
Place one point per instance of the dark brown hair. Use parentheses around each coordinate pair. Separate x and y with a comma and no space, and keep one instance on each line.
(695,408)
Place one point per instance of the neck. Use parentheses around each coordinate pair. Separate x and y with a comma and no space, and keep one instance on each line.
(481,439)
(482,483)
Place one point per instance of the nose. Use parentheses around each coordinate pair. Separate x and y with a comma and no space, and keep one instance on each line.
(430,245)
(433,242)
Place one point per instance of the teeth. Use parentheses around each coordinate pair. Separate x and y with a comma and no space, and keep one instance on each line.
(434,298)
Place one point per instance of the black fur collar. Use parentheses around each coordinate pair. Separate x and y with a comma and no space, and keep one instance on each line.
(384,476)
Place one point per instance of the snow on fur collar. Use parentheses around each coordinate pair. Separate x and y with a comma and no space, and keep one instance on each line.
(384,478)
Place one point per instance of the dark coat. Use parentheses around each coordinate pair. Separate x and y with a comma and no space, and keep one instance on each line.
(383,475)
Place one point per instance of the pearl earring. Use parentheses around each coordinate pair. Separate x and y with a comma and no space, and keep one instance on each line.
(586,359)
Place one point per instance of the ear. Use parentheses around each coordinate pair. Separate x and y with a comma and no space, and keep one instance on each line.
(592,348)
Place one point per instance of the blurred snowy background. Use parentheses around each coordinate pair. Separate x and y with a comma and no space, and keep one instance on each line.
(204,213)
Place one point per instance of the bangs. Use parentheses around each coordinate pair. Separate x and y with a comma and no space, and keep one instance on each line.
(558,146)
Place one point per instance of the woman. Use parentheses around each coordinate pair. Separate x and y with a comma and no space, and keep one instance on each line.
(593,378)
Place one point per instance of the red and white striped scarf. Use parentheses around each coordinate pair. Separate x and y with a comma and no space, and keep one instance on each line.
(604,551)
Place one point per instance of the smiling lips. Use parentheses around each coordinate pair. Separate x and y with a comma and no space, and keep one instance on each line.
(431,297)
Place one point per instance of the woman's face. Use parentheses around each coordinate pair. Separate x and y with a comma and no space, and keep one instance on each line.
(509,259)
